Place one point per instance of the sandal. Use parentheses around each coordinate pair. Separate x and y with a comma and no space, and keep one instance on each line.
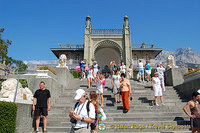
(45,131)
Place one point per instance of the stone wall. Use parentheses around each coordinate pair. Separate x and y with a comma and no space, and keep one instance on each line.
(188,87)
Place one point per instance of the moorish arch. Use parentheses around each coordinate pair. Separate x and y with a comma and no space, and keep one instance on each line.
(107,51)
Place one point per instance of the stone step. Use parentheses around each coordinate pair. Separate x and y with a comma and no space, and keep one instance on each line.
(145,114)
(53,120)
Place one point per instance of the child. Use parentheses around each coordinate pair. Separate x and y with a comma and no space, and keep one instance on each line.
(195,112)
(100,87)
(130,72)
(99,113)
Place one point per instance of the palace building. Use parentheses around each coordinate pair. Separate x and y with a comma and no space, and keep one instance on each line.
(106,45)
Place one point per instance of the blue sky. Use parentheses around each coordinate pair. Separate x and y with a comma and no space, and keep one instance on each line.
(35,26)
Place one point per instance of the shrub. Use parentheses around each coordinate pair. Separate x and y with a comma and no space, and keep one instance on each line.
(23,82)
(8,112)
(74,73)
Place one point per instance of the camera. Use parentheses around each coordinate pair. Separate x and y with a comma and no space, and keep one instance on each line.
(72,120)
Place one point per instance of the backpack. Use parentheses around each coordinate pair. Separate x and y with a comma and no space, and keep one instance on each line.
(87,107)
(104,82)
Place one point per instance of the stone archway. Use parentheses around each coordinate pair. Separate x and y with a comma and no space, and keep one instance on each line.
(107,51)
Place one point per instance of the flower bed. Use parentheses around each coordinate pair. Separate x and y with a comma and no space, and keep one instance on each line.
(47,68)
(188,73)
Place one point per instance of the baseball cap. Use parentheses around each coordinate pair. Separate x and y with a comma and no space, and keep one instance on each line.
(79,93)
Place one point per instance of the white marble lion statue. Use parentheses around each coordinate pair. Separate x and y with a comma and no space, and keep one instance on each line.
(9,87)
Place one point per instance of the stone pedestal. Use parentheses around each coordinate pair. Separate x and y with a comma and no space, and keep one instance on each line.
(24,119)
(175,76)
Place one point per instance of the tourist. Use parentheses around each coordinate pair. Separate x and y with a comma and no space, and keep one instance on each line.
(160,71)
(122,68)
(82,68)
(82,114)
(99,113)
(42,99)
(130,72)
(100,88)
(99,69)
(112,68)
(106,75)
(90,77)
(125,89)
(157,88)
(195,113)
(116,85)
(148,70)
(95,65)
(141,70)
(7,69)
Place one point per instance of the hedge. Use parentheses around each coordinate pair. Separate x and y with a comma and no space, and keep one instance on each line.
(74,73)
(8,112)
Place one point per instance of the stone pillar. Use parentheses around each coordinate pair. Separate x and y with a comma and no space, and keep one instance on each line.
(127,53)
(24,120)
(87,39)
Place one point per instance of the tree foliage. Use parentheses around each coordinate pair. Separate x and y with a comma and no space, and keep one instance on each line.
(3,54)
(3,46)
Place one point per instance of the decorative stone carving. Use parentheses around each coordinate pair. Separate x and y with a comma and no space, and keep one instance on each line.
(62,61)
(171,62)
(9,88)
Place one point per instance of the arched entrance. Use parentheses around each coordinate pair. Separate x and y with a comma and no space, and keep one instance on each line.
(106,52)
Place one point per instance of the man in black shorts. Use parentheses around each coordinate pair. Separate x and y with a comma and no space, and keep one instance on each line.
(42,96)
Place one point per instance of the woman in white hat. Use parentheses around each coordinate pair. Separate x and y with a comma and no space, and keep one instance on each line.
(157,88)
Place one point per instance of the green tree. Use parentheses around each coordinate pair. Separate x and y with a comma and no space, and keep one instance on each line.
(3,46)
(3,54)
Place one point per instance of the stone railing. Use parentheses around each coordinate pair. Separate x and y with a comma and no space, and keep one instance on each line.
(142,45)
(192,76)
(107,31)
(76,46)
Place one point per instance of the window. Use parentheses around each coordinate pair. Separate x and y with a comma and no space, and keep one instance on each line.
(78,57)
(146,57)
(135,59)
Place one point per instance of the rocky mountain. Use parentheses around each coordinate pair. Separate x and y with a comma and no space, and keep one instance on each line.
(181,55)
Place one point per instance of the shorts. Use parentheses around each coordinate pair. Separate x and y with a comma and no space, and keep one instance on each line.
(158,92)
(41,111)
(148,71)
(195,122)
(141,71)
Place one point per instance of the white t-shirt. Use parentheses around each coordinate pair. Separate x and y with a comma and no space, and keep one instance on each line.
(140,65)
(123,69)
(160,71)
(83,113)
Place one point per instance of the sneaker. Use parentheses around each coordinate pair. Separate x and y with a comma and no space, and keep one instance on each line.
(157,104)
(163,104)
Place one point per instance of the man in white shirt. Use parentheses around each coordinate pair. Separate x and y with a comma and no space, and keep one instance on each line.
(80,115)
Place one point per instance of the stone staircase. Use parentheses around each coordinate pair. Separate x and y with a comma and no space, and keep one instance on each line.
(143,116)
